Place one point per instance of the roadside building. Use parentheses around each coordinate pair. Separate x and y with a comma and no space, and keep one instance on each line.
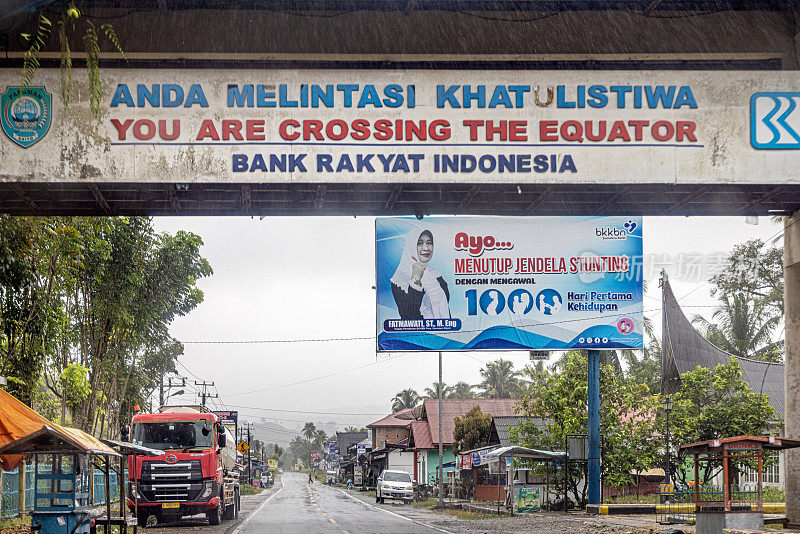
(685,349)
(425,432)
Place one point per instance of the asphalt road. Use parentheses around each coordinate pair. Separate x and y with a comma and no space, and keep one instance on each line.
(303,508)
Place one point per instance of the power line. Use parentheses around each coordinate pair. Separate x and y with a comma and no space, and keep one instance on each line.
(313,379)
(304,411)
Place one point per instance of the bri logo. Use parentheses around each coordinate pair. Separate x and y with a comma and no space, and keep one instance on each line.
(476,245)
(775,120)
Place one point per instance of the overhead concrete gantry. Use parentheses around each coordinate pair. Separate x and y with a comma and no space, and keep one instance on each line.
(83,166)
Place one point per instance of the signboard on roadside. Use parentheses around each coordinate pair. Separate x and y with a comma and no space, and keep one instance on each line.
(407,125)
(505,283)
(527,499)
(243,447)
(230,420)
(272,464)
(357,475)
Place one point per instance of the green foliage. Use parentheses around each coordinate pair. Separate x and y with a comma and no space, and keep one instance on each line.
(472,430)
(461,390)
(91,299)
(744,326)
(70,18)
(408,398)
(309,431)
(555,406)
(717,403)
(500,380)
(756,271)
(645,367)
(433,391)
(75,385)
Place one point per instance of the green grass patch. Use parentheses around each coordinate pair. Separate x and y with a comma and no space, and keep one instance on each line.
(247,489)
(15,525)
(427,503)
(632,498)
(468,514)
(772,494)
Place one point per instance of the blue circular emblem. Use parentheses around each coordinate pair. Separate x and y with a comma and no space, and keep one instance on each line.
(25,114)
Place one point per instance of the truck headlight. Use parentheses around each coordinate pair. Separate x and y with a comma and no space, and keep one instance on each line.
(208,489)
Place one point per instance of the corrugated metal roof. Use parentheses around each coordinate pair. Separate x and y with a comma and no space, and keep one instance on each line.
(685,349)
(392,420)
(421,432)
(452,408)
(346,439)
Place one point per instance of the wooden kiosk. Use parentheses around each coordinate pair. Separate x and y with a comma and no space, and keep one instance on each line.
(731,505)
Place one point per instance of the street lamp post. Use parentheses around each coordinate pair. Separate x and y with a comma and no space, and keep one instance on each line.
(667,409)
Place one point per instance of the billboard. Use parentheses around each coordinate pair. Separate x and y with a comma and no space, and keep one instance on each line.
(508,283)
(404,125)
(230,420)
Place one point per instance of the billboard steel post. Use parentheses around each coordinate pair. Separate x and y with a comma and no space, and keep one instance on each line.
(441,447)
(594,426)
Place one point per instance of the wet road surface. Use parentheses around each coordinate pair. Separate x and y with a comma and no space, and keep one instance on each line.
(303,508)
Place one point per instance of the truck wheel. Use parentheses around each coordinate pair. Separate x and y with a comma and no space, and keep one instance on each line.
(141,519)
(215,515)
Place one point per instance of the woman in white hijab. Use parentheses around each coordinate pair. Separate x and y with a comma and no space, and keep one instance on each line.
(419,290)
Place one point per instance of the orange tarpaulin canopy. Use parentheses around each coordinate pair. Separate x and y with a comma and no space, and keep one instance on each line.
(18,421)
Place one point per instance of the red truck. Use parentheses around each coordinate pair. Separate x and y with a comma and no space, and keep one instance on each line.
(197,474)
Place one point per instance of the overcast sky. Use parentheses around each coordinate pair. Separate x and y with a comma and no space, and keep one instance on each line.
(311,278)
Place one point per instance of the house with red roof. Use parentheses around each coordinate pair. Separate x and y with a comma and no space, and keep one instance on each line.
(417,430)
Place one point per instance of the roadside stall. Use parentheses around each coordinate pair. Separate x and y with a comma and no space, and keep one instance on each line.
(527,497)
(64,459)
(126,450)
(733,506)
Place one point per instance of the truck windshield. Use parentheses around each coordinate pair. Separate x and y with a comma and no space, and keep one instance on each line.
(172,435)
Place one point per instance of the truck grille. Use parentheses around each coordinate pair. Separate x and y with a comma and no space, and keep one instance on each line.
(178,482)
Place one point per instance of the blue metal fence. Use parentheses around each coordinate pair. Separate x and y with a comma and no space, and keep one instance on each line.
(9,499)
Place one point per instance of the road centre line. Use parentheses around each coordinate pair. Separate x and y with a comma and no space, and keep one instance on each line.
(256,512)
(395,514)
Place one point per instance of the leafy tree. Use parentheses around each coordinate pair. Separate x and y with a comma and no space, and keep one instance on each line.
(645,369)
(755,271)
(744,327)
(408,398)
(717,403)
(433,391)
(500,380)
(95,294)
(473,430)
(462,390)
(309,431)
(555,406)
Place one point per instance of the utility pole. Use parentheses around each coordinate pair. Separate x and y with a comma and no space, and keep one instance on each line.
(205,394)
(164,388)
(441,447)
(249,458)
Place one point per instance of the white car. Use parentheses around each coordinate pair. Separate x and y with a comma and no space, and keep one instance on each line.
(394,485)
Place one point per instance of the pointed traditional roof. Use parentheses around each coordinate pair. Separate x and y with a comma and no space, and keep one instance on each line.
(685,349)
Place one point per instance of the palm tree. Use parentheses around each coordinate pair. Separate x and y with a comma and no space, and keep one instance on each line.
(462,390)
(309,431)
(500,380)
(350,429)
(433,392)
(408,398)
(743,326)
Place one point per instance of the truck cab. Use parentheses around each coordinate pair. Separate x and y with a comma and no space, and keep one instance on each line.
(195,475)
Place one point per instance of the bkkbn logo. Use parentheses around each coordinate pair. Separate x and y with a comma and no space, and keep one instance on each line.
(775,120)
